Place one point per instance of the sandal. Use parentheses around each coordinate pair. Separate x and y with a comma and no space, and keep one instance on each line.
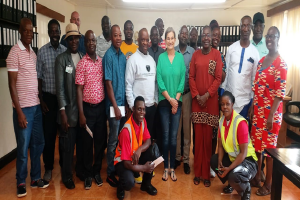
(262,192)
(206,183)
(173,175)
(228,189)
(196,180)
(165,175)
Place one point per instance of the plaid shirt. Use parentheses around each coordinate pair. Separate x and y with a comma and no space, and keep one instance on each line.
(45,66)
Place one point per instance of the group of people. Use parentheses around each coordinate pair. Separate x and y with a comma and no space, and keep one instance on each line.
(150,92)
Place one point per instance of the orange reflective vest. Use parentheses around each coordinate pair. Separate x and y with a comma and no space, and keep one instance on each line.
(133,140)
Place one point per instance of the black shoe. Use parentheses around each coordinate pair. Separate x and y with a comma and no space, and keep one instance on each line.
(120,193)
(247,193)
(39,183)
(186,168)
(150,189)
(112,181)
(69,184)
(98,180)
(88,183)
(177,163)
(228,189)
(21,190)
(80,176)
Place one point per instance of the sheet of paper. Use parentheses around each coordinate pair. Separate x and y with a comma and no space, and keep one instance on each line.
(158,161)
(89,131)
(112,111)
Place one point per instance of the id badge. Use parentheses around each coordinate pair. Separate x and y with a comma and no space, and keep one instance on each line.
(69,69)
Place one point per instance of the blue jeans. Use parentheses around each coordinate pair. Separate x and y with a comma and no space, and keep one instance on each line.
(31,137)
(169,124)
(114,129)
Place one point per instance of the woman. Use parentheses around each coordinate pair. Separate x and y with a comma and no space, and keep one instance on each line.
(266,110)
(236,158)
(204,79)
(170,80)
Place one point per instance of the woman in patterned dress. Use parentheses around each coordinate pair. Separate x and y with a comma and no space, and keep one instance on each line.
(204,79)
(266,110)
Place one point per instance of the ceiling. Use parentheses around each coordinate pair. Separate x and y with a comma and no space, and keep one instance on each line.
(180,6)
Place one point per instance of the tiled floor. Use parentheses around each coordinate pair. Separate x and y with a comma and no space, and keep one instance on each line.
(182,189)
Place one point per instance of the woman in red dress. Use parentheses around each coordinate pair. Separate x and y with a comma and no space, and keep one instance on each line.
(269,89)
(204,79)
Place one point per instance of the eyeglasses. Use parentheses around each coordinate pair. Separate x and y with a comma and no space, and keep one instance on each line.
(205,35)
(272,37)
(248,26)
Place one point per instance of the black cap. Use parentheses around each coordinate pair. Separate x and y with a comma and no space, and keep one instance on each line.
(258,16)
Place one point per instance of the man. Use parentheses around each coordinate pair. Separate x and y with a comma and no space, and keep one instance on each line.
(213,24)
(46,78)
(75,18)
(103,41)
(194,38)
(91,106)
(241,63)
(133,153)
(185,119)
(155,50)
(114,64)
(160,25)
(27,113)
(259,40)
(128,47)
(65,66)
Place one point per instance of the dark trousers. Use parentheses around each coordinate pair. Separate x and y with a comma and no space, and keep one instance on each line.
(126,176)
(239,177)
(150,117)
(96,121)
(50,129)
(66,149)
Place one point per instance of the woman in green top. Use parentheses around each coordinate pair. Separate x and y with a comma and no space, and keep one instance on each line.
(170,80)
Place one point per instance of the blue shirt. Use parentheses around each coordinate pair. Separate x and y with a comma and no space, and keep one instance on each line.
(114,65)
(81,47)
(45,66)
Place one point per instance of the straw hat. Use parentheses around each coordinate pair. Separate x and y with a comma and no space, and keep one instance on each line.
(72,29)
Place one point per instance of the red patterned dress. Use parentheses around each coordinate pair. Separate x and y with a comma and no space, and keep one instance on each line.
(268,84)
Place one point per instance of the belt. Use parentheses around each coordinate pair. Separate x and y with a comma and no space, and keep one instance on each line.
(186,91)
(92,105)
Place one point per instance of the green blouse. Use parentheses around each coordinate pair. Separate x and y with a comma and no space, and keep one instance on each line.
(170,77)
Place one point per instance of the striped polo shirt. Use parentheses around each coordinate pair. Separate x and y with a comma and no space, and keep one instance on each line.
(24,63)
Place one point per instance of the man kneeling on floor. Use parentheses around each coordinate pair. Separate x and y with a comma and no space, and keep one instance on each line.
(133,153)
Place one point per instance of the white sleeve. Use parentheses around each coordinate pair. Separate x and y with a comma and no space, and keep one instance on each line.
(256,60)
(129,80)
(227,60)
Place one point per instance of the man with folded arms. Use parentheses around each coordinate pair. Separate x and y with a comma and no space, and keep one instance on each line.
(114,65)
(65,65)
(91,106)
(27,113)
(133,153)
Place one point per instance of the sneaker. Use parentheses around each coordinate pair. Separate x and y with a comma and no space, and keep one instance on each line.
(88,183)
(212,173)
(98,180)
(138,180)
(21,190)
(48,175)
(69,184)
(112,181)
(39,183)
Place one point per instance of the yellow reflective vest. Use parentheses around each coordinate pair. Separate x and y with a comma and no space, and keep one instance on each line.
(231,145)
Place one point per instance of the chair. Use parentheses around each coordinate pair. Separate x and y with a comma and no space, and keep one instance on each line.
(292,119)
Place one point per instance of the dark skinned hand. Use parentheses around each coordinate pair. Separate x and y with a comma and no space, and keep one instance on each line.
(149,167)
(44,107)
(82,121)
(136,156)
(270,122)
(22,121)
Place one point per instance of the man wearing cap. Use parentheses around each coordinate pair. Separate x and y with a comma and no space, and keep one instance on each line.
(65,65)
(259,40)
(75,18)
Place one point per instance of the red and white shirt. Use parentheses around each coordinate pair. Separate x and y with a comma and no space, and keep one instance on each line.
(90,75)
(23,62)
